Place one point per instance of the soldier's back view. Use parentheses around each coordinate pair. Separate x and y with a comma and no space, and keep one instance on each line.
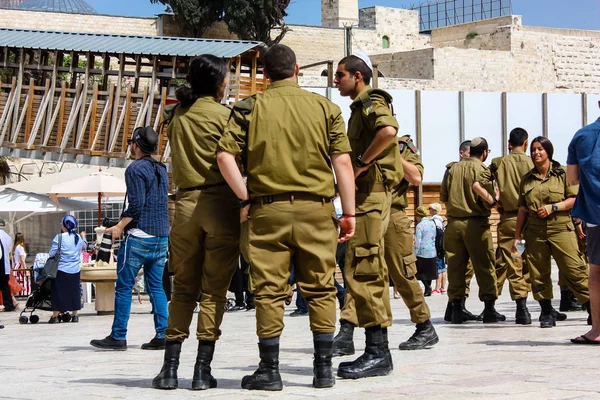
(289,139)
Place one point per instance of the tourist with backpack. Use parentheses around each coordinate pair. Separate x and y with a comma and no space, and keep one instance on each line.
(435,210)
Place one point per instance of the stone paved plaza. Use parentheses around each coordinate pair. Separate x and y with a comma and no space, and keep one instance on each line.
(471,361)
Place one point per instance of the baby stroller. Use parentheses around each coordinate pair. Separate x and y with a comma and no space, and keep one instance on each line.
(40,298)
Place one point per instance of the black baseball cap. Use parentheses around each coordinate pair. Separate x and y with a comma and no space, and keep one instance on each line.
(146,138)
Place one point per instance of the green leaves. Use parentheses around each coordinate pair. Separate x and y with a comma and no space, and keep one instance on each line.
(248,19)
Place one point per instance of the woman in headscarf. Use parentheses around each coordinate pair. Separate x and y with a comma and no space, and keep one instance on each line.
(66,286)
(427,269)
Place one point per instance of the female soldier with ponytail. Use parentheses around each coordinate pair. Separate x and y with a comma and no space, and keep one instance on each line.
(544,209)
(204,241)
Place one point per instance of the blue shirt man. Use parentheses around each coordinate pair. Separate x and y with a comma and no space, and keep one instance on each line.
(145,221)
(584,152)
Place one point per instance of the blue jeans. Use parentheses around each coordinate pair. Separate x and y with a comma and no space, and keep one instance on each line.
(135,253)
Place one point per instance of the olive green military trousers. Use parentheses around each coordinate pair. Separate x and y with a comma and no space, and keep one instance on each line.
(554,237)
(402,266)
(366,272)
(470,238)
(277,233)
(204,253)
(508,267)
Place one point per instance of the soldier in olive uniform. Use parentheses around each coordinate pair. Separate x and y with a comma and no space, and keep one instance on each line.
(545,201)
(509,170)
(401,263)
(372,130)
(205,232)
(467,191)
(289,139)
(464,150)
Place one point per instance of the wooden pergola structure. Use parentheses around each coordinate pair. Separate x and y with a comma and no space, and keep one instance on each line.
(78,97)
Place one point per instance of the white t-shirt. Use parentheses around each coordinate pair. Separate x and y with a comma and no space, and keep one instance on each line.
(138,233)
(19,251)
(5,250)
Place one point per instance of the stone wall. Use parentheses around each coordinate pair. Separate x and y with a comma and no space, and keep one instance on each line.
(491,34)
(337,13)
(88,23)
(417,64)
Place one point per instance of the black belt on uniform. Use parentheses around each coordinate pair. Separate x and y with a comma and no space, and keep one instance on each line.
(201,187)
(290,197)
(366,187)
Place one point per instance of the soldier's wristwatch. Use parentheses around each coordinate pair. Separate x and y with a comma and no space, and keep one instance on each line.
(360,163)
(554,207)
(244,203)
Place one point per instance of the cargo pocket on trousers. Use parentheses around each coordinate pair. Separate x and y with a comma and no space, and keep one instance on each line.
(410,265)
(367,261)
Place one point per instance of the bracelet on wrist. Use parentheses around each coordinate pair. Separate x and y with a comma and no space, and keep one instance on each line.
(360,163)
(349,215)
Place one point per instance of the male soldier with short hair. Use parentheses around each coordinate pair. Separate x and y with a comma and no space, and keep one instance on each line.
(372,130)
(466,189)
(289,139)
(401,262)
(464,150)
(509,170)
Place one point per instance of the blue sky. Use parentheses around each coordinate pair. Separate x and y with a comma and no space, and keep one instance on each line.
(579,14)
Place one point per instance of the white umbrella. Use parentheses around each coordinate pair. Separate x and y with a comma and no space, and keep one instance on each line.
(18,206)
(95,184)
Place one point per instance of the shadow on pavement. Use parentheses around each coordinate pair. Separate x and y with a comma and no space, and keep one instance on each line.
(184,384)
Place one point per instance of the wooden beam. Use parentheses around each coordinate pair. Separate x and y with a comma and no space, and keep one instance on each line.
(75,109)
(253,74)
(94,113)
(61,115)
(19,86)
(40,116)
(50,125)
(52,89)
(105,113)
(127,128)
(8,108)
(6,56)
(28,121)
(138,67)
(115,110)
(111,99)
(80,127)
(238,71)
(174,73)
(152,89)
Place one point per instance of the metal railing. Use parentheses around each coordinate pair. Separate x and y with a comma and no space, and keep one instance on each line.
(438,14)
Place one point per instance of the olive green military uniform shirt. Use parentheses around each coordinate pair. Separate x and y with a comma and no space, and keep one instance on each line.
(287,121)
(194,133)
(536,192)
(371,112)
(457,189)
(509,170)
(410,153)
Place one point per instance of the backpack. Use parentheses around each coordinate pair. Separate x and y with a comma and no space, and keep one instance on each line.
(439,242)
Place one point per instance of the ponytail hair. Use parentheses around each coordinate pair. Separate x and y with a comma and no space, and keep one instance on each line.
(205,78)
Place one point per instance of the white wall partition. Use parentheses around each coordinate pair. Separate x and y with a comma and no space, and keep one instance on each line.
(440,132)
(593,108)
(565,117)
(406,112)
(483,113)
(525,110)
(483,117)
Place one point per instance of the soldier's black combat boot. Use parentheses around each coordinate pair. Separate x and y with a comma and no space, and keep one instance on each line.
(203,379)
(457,312)
(375,360)
(386,344)
(467,315)
(425,336)
(568,301)
(322,368)
(167,378)
(522,315)
(343,342)
(266,377)
(490,314)
(547,319)
(448,313)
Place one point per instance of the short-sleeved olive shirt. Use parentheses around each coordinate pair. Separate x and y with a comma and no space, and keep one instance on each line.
(536,192)
(457,188)
(371,112)
(410,153)
(509,170)
(286,136)
(194,133)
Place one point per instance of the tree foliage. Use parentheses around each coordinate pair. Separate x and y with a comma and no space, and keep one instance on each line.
(248,19)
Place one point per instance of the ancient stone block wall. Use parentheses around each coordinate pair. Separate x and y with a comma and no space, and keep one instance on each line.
(490,34)
(417,64)
(89,23)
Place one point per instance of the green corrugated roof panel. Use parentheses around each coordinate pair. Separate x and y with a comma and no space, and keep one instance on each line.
(104,43)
